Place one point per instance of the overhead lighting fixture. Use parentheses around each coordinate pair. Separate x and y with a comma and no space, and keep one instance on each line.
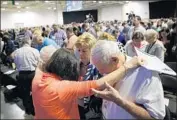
(126,1)
(4,3)
(54,8)
(94,1)
(3,9)
(49,8)
(100,2)
(27,7)
(19,11)
(27,11)
(16,3)
(18,7)
(46,1)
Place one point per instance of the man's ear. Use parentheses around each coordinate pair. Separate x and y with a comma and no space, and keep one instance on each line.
(114,60)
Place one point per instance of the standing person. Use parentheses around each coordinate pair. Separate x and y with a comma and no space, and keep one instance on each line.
(89,107)
(72,38)
(138,41)
(154,47)
(26,59)
(9,47)
(42,41)
(58,35)
(28,33)
(139,94)
(137,26)
(119,36)
(55,92)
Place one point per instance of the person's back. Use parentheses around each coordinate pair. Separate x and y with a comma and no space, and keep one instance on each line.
(54,102)
(71,42)
(47,42)
(26,58)
(9,47)
(141,86)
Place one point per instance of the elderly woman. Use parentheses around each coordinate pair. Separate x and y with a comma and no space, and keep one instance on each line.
(88,72)
(55,92)
(137,41)
(155,47)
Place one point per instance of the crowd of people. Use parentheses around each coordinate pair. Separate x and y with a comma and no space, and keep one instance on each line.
(90,70)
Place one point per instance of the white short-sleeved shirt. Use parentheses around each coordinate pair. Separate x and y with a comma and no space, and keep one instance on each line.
(26,58)
(141,86)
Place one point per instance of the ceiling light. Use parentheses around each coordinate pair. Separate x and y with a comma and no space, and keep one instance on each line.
(4,3)
(49,8)
(19,11)
(126,1)
(54,8)
(16,3)
(94,1)
(46,1)
(3,9)
(100,2)
(27,7)
(18,7)
(27,11)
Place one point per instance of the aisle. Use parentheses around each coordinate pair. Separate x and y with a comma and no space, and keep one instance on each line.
(10,110)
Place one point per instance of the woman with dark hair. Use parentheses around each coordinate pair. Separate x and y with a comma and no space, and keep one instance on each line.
(165,37)
(138,41)
(55,92)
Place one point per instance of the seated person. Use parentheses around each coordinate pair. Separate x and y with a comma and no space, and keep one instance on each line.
(140,93)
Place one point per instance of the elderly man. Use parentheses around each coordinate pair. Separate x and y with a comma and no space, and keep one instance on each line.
(26,59)
(138,95)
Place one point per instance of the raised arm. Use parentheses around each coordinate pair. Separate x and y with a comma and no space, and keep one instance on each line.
(82,89)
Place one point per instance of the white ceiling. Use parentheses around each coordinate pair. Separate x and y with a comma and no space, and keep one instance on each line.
(51,5)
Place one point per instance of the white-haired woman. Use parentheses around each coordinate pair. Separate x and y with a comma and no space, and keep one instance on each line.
(155,47)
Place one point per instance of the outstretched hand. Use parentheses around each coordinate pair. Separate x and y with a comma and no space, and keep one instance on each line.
(109,93)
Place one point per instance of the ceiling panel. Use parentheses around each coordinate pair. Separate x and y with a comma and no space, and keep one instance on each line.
(52,5)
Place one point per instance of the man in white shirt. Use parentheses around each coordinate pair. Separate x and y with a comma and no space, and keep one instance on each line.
(138,95)
(26,59)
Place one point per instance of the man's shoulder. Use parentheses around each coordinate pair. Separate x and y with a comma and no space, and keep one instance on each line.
(144,74)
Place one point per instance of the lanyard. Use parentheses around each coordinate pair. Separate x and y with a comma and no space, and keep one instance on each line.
(149,48)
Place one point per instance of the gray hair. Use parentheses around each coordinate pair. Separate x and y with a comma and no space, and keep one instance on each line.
(26,40)
(103,51)
(45,54)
